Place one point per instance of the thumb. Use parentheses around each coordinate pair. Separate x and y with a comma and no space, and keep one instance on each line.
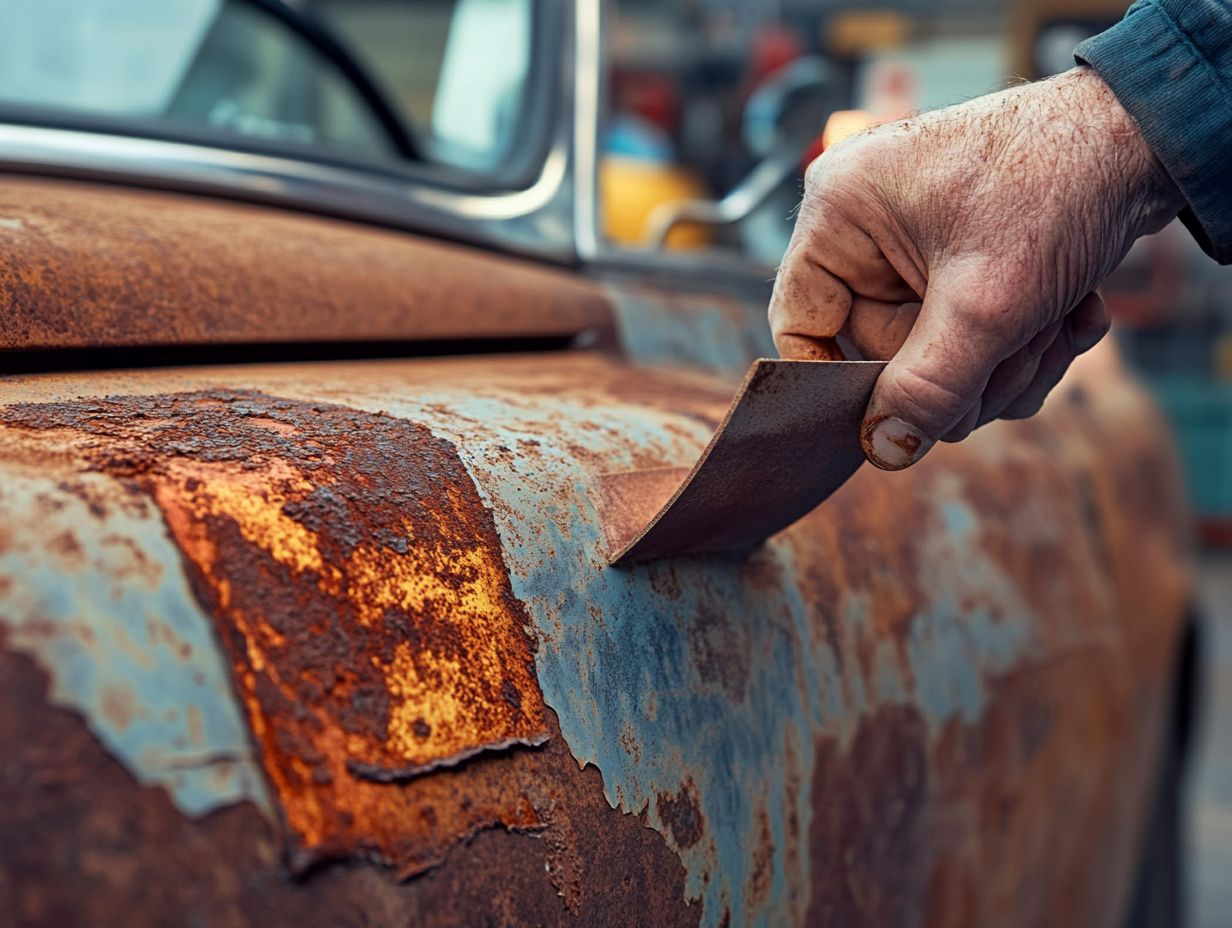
(937,376)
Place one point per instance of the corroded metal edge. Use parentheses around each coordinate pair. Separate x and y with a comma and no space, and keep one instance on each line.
(789,440)
(384,774)
(355,585)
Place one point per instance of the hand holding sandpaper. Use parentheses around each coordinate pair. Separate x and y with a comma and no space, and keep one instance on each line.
(964,246)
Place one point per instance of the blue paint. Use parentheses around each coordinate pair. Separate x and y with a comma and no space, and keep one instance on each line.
(125,644)
(655,653)
(705,335)
(640,666)
(952,650)
(721,684)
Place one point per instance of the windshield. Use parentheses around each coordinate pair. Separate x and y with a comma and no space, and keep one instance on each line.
(396,81)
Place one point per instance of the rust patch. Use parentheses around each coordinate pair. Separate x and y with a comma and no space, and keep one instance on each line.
(359,589)
(762,873)
(97,265)
(112,852)
(1017,801)
(867,837)
(682,814)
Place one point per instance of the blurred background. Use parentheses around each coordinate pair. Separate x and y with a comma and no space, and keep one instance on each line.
(713,110)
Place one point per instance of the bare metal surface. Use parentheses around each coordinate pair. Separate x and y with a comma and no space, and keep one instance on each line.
(789,440)
(87,266)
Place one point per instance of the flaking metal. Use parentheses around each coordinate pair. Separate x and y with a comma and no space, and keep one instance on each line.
(789,440)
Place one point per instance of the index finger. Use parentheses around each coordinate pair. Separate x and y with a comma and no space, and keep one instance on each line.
(809,308)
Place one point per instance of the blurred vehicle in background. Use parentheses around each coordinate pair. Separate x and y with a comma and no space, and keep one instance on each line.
(322,322)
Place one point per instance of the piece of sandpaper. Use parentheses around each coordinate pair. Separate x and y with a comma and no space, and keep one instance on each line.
(790,438)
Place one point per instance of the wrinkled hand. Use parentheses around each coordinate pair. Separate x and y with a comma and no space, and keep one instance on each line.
(965,246)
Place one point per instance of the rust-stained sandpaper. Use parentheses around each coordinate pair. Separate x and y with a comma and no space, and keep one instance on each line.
(790,438)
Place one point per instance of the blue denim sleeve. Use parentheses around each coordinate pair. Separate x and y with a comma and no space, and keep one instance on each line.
(1169,62)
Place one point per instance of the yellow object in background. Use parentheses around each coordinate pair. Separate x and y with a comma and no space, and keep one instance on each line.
(844,123)
(1223,358)
(852,33)
(630,188)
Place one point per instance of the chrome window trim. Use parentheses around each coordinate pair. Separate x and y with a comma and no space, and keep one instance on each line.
(349,193)
(589,59)
(536,220)
(555,218)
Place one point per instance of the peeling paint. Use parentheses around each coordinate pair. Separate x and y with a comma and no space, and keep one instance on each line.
(891,712)
(359,591)
(115,625)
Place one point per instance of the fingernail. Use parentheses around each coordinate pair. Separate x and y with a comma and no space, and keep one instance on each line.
(892,444)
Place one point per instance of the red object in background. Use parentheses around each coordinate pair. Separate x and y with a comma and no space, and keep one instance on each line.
(651,96)
(813,153)
(1215,532)
(774,48)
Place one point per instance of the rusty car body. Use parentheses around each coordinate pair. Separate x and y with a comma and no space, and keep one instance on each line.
(306,616)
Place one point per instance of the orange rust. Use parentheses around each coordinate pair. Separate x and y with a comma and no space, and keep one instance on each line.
(359,588)
(447,700)
(85,265)
(130,857)
(989,820)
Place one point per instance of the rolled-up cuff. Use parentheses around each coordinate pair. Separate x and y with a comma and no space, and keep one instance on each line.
(1184,109)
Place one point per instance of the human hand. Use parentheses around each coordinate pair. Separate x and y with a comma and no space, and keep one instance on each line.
(965,246)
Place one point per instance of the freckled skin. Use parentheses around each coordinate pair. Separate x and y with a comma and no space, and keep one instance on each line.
(966,246)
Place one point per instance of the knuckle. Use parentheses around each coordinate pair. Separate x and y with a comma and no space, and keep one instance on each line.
(815,175)
(851,157)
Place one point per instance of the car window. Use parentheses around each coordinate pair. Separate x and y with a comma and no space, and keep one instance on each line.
(437,81)
(458,72)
